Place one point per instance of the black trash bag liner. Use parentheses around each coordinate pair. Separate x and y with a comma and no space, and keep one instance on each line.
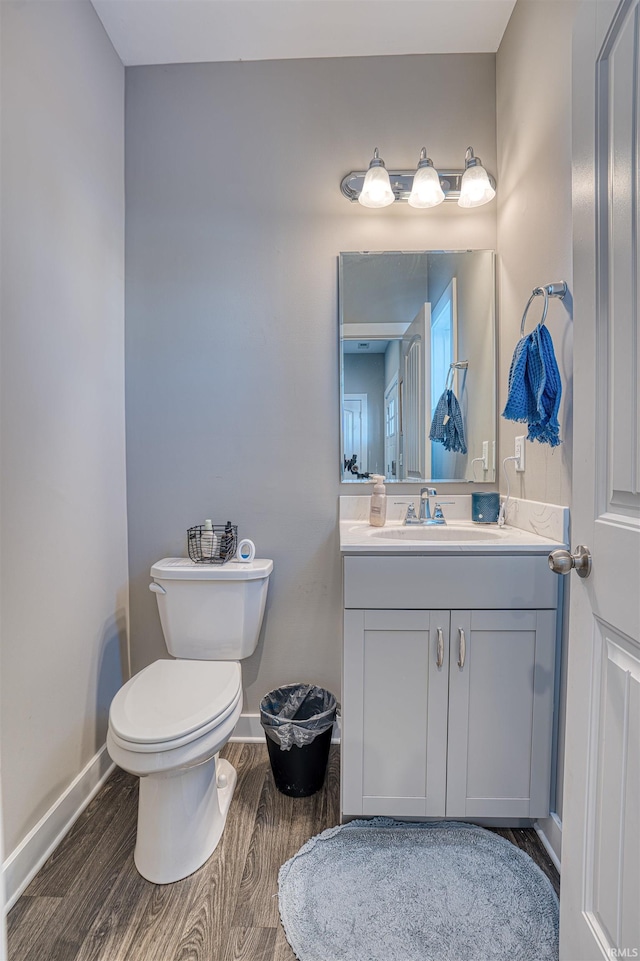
(296,714)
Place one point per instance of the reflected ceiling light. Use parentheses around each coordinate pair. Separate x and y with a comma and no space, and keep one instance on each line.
(476,188)
(426,190)
(376,190)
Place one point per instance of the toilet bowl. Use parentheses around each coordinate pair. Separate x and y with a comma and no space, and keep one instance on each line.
(169,722)
(167,725)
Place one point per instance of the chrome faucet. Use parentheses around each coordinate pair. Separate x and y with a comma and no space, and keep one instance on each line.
(425,507)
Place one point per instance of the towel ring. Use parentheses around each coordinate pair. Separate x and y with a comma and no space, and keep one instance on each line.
(548,290)
(453,366)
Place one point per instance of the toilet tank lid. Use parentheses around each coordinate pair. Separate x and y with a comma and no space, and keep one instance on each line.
(183,569)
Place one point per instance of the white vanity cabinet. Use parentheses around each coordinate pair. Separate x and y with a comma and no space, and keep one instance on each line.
(448,686)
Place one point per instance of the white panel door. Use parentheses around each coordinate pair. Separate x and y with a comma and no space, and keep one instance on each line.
(600,902)
(355,434)
(391,430)
(416,396)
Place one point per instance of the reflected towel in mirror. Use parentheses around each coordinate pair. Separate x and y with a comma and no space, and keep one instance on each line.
(447,427)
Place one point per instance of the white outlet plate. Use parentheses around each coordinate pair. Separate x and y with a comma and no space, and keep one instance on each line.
(485,455)
(519,453)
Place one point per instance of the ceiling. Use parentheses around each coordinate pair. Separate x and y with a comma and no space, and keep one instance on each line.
(193,31)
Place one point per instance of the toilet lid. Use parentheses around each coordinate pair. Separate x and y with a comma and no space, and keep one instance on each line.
(171,699)
(183,569)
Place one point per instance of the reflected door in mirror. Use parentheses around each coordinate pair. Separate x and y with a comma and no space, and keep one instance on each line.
(354,421)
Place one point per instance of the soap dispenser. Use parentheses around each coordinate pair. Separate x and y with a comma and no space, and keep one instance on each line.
(378,509)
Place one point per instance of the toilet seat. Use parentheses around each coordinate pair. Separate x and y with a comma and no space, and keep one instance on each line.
(171,703)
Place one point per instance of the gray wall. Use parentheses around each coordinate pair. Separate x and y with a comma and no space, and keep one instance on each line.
(234,224)
(383,290)
(535,235)
(391,362)
(63,507)
(534,216)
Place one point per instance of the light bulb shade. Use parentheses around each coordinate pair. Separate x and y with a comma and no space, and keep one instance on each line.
(426,190)
(376,189)
(475,189)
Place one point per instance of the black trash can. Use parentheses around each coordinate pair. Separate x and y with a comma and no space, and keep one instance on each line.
(298,721)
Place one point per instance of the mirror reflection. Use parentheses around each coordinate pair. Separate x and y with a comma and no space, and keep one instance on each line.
(418,378)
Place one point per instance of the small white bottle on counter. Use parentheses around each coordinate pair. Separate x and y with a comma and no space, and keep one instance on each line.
(378,508)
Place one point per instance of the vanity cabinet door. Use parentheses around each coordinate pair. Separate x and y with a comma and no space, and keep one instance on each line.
(394,719)
(501,683)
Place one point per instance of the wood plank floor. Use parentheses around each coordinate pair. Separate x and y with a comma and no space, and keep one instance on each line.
(88,903)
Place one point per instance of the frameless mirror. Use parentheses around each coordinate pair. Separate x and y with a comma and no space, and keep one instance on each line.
(417,365)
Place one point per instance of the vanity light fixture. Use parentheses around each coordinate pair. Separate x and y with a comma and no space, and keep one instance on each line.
(421,188)
(426,190)
(476,188)
(376,189)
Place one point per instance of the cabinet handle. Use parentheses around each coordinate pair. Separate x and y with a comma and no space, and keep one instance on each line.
(462,648)
(440,652)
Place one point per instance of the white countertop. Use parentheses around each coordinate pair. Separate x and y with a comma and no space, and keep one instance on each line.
(358,537)
(532,528)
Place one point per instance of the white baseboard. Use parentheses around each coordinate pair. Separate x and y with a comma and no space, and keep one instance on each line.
(549,830)
(26,860)
(249,730)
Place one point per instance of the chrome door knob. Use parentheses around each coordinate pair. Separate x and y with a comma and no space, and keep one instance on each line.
(561,562)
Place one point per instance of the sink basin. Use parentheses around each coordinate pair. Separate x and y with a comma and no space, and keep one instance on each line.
(450,532)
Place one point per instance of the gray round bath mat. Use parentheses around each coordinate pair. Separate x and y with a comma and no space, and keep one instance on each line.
(384,890)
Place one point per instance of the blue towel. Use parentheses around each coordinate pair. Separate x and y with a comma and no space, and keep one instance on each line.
(447,427)
(535,388)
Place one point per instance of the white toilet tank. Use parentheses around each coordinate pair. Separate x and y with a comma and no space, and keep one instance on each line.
(210,612)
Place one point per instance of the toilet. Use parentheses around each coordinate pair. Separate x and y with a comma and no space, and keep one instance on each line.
(168,723)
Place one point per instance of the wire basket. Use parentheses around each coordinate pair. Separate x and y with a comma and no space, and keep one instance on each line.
(215,546)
